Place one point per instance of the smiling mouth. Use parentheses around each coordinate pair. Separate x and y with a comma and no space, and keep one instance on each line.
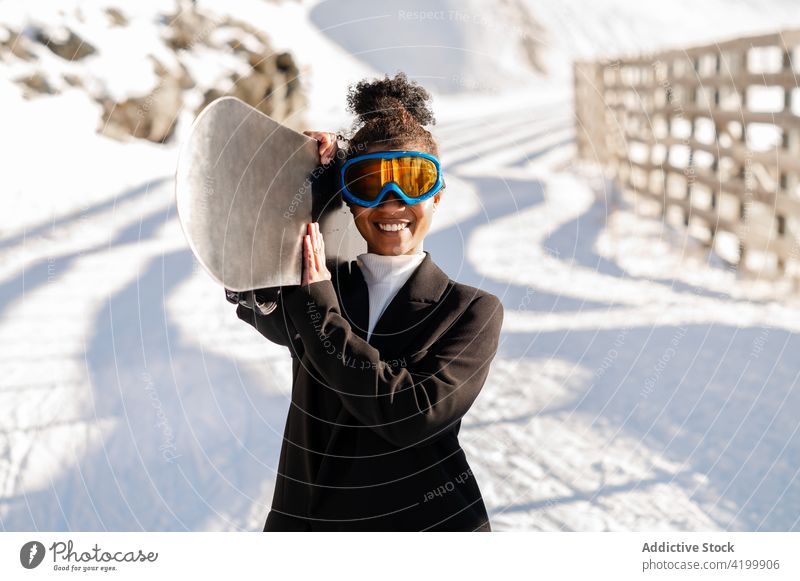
(392,227)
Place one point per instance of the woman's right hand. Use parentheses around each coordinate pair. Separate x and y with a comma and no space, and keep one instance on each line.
(327,144)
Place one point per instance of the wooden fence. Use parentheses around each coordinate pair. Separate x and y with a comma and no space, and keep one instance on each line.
(711,134)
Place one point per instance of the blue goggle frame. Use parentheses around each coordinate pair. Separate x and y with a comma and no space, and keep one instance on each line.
(390,186)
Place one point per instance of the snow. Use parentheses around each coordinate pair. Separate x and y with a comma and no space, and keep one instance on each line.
(641,383)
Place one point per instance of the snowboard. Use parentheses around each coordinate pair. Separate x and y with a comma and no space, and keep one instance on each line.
(245,189)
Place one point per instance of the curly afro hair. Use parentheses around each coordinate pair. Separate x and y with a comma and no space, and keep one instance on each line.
(390,114)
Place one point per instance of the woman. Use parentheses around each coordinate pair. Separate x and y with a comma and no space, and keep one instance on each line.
(388,352)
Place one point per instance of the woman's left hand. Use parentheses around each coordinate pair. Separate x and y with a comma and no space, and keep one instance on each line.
(328,145)
(314,267)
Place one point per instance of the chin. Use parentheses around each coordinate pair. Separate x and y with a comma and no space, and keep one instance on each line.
(391,248)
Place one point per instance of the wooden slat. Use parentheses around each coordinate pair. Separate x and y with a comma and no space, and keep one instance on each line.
(740,81)
(780,202)
(778,159)
(785,39)
(782,119)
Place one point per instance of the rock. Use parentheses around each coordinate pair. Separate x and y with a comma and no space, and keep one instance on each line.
(272,85)
(17,44)
(184,78)
(36,85)
(187,28)
(285,63)
(254,89)
(72,48)
(73,80)
(152,117)
(182,75)
(116,17)
(236,45)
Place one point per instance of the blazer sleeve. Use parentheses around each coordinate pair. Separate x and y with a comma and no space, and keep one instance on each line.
(408,405)
(275,326)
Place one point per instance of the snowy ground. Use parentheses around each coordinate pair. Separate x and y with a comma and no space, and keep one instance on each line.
(640,384)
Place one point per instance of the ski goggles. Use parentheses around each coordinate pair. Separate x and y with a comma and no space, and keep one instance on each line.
(412,175)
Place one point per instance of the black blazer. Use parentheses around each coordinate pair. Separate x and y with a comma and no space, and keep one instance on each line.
(371,438)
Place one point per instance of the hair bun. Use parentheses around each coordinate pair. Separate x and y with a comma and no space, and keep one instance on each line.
(387,97)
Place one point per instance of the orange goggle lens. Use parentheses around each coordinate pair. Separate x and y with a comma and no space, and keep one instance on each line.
(415,176)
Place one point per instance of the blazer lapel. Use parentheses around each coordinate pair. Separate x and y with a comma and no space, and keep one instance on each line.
(354,299)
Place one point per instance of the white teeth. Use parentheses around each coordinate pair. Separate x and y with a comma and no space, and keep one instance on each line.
(392,227)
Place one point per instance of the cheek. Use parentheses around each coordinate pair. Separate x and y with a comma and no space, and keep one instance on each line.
(362,220)
(423,214)
(361,215)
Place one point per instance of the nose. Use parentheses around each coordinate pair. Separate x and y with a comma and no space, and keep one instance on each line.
(392,197)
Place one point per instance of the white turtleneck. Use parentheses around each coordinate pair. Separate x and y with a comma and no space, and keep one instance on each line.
(384,275)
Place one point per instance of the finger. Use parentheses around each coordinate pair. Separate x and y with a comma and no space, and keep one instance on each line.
(324,140)
(311,259)
(329,154)
(314,258)
(321,245)
(306,261)
(309,238)
(313,234)
(317,248)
